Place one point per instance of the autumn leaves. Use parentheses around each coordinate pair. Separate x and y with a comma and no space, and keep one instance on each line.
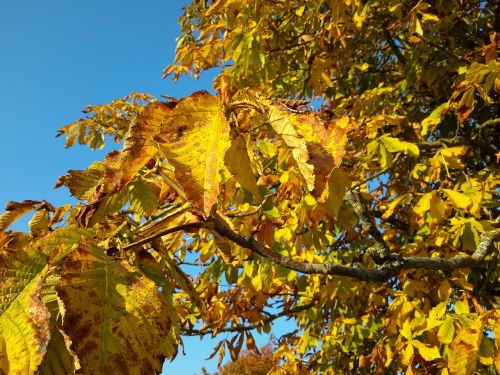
(196,137)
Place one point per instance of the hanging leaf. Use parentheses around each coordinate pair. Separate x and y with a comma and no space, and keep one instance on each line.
(238,163)
(194,139)
(14,210)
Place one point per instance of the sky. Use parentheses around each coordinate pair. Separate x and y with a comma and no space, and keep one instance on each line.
(56,57)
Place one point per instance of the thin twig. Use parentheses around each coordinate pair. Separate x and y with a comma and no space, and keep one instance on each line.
(239,328)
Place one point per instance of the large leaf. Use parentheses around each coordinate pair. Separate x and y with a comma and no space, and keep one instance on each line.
(24,318)
(194,139)
(117,320)
(59,359)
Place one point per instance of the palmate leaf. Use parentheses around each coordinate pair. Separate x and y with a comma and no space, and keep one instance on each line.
(24,318)
(194,139)
(104,297)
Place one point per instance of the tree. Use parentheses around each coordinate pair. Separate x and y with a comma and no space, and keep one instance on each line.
(250,362)
(371,223)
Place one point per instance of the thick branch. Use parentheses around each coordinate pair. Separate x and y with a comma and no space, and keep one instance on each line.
(249,242)
(390,268)
(249,327)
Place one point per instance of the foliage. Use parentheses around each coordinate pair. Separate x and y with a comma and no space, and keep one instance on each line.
(371,223)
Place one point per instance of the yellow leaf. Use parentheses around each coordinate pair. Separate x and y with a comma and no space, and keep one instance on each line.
(396,145)
(238,163)
(465,105)
(392,206)
(444,290)
(433,119)
(446,331)
(424,204)
(427,353)
(282,125)
(14,210)
(459,200)
(194,138)
(300,10)
(451,156)
(316,147)
(309,200)
(430,17)
(406,330)
(464,348)
(461,308)
(408,352)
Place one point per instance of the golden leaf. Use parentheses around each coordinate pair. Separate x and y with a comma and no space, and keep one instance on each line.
(194,139)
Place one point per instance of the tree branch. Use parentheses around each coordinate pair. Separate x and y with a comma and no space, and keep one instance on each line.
(391,266)
(367,221)
(249,327)
(183,227)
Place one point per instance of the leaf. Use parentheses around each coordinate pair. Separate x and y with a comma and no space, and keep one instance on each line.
(143,197)
(392,206)
(194,139)
(446,331)
(465,347)
(317,148)
(24,318)
(59,359)
(433,119)
(283,126)
(117,321)
(451,156)
(465,105)
(40,222)
(238,163)
(58,215)
(337,184)
(459,200)
(14,210)
(477,72)
(81,182)
(427,353)
(396,145)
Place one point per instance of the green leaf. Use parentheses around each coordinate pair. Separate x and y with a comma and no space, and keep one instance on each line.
(143,198)
(446,331)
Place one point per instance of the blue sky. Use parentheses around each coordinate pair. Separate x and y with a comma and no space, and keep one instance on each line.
(56,57)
